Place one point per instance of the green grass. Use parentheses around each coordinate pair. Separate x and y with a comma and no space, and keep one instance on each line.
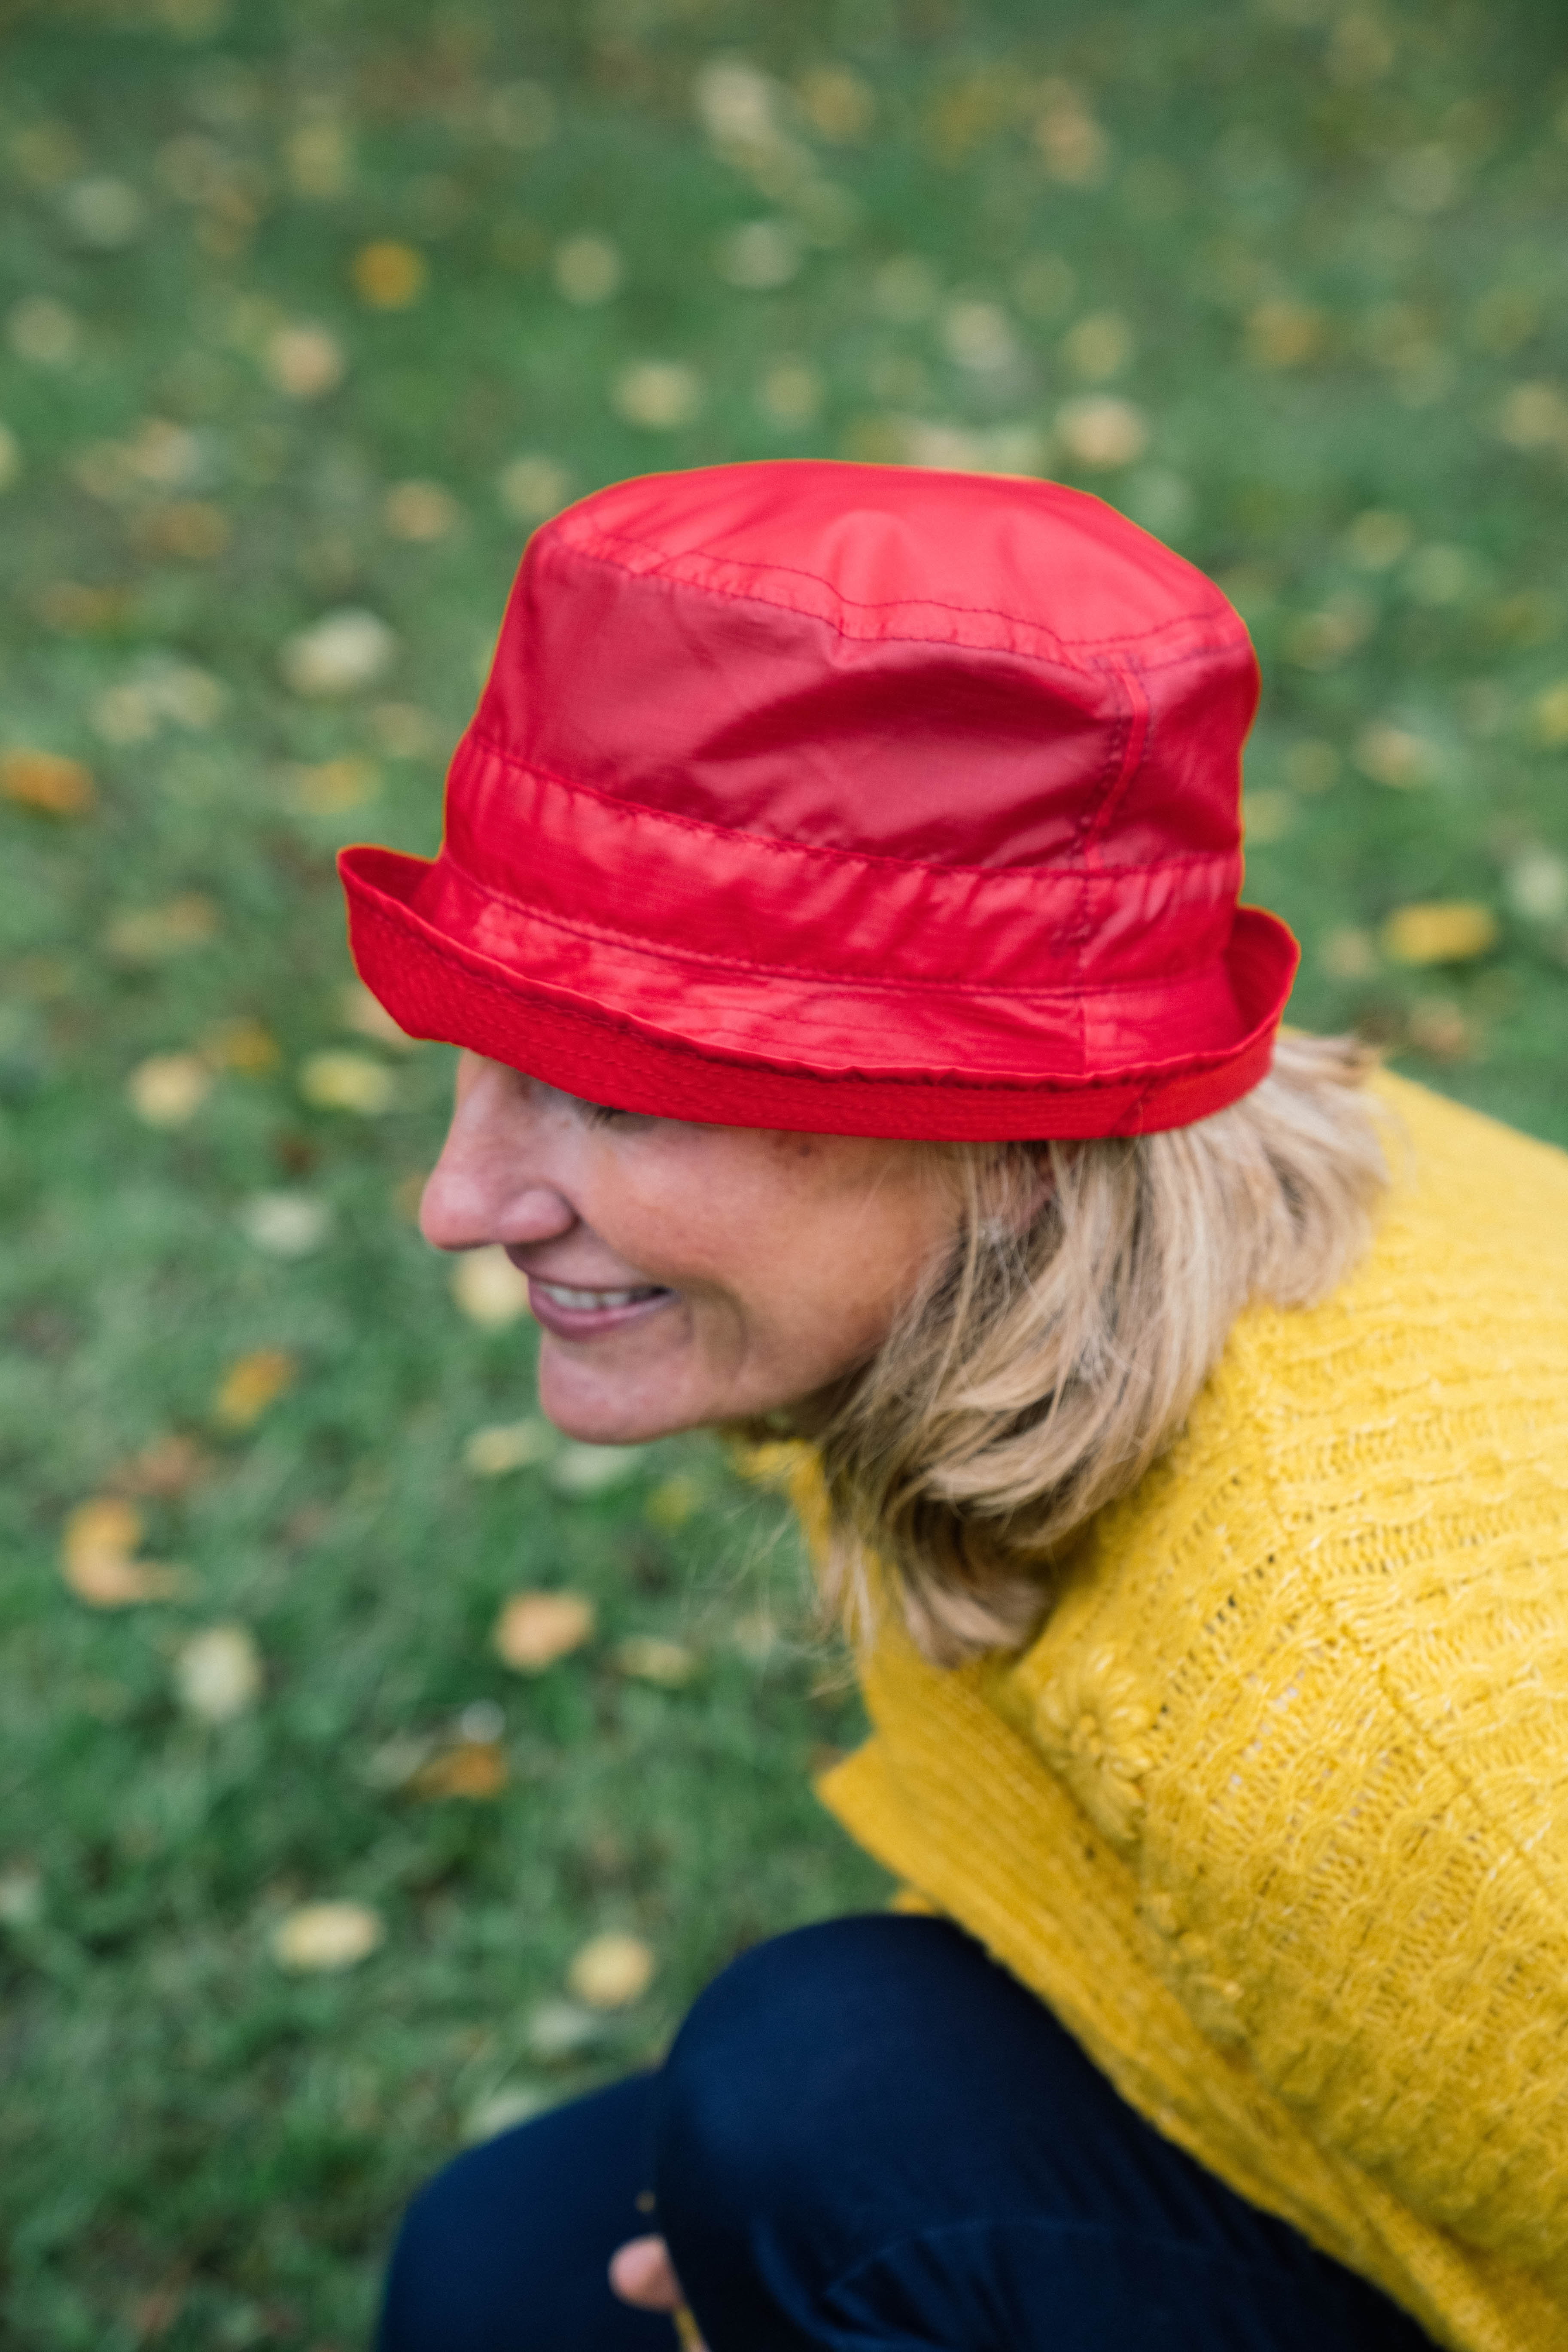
(1333,243)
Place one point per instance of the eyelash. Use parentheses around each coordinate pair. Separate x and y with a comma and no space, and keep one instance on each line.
(601,1114)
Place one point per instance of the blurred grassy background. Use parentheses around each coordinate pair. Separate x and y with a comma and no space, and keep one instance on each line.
(309,312)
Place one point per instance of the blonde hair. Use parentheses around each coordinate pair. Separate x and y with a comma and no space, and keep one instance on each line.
(1040,1370)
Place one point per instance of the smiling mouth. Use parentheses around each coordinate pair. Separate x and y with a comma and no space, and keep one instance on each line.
(595,1302)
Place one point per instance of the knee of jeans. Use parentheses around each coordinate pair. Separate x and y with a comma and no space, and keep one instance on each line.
(747,2099)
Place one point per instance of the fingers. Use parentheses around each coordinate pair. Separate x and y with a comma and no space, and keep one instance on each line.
(642,2273)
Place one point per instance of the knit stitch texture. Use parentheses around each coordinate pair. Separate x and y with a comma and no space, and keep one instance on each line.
(1273,1813)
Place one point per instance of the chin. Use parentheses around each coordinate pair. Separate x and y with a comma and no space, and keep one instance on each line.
(598,1411)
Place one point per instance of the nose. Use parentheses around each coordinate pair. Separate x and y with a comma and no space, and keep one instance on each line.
(492,1181)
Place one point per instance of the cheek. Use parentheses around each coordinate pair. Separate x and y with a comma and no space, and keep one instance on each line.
(826,1301)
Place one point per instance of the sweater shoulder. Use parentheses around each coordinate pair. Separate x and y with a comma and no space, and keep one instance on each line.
(1366,1489)
(1458,1308)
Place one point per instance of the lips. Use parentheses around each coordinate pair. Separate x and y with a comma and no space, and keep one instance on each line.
(572,1312)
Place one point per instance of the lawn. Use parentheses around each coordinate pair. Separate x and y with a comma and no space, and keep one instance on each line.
(309,314)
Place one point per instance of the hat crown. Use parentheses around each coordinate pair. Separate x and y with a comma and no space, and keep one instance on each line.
(883,660)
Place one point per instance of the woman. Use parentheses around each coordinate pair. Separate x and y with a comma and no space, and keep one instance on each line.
(837,907)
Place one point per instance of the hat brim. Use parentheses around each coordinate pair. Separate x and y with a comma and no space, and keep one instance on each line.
(611,1021)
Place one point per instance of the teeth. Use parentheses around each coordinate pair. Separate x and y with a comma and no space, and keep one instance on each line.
(587,1302)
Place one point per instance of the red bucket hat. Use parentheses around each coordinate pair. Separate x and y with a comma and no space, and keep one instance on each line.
(859,799)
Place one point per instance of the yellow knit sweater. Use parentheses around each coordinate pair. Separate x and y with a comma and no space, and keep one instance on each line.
(1274,1811)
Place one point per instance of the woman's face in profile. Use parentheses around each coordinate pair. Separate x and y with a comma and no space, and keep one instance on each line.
(683,1274)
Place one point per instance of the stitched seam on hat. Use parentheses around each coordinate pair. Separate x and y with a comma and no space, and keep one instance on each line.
(1144,1081)
(1134,750)
(597,551)
(781,845)
(707,960)
(1090,814)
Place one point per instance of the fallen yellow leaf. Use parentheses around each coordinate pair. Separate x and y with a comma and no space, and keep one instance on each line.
(658,394)
(168,1089)
(319,157)
(507,1445)
(69,606)
(329,785)
(533,488)
(1285,334)
(1537,885)
(44,781)
(1393,756)
(108,1523)
(341,653)
(1439,931)
(192,528)
(756,1635)
(218,1673)
(251,1383)
(21,1895)
(353,1082)
(1267,816)
(592,1469)
(286,1225)
(109,1579)
(148,934)
(323,1937)
(1097,346)
(1073,147)
(1439,1028)
(841,106)
(420,511)
(556,2029)
(499,2111)
(244,1044)
(674,1501)
(611,1972)
(171,1465)
(1350,954)
(304,361)
(389,276)
(646,1658)
(1379,537)
(359,1010)
(1102,432)
(474,1769)
(97,1546)
(1318,640)
(489,1287)
(403,731)
(1534,416)
(534,1629)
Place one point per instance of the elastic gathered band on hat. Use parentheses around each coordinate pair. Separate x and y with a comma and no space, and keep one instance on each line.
(734,839)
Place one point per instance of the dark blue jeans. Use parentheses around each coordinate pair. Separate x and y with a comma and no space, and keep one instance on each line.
(867,2135)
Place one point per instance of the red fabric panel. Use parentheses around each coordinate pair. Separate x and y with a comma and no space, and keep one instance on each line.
(693,888)
(722,683)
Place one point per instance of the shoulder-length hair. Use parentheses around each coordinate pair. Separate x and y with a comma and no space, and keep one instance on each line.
(1053,1354)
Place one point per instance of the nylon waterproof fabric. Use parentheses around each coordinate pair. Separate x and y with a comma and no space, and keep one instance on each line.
(876,800)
